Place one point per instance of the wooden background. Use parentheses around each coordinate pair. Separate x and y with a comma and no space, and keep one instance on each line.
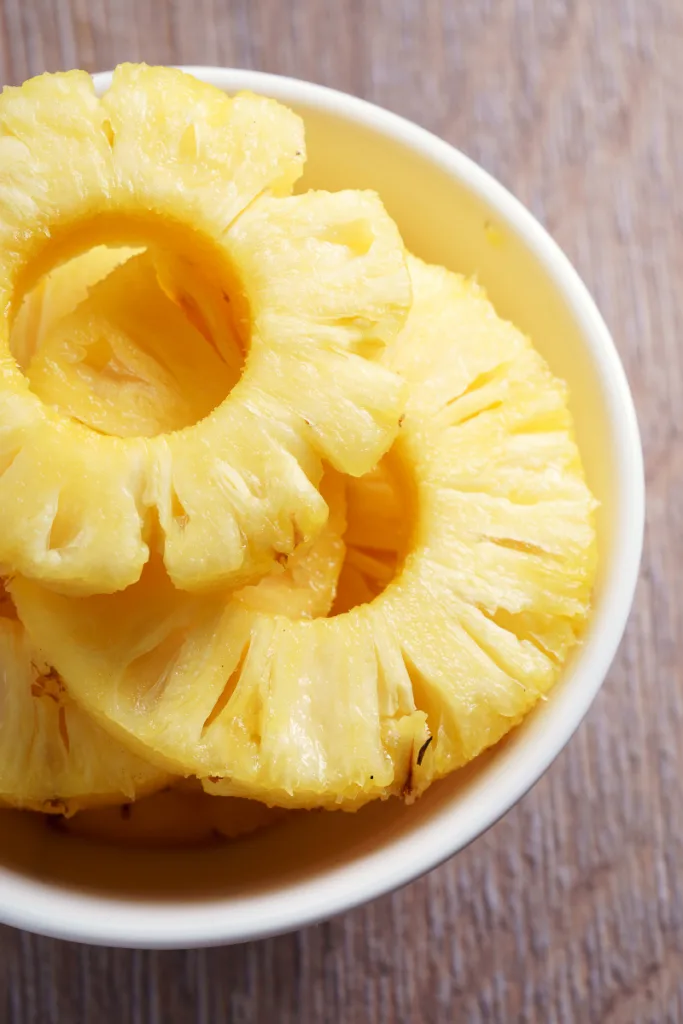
(571,909)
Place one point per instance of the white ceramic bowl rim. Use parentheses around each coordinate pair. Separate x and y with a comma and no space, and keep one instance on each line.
(94,918)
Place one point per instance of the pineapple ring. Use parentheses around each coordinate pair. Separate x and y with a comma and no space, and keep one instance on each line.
(493,591)
(128,312)
(53,757)
(180,816)
(318,283)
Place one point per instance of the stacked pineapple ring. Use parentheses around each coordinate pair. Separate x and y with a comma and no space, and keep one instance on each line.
(165,160)
(53,756)
(387,626)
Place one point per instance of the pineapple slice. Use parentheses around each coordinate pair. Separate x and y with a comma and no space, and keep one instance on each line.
(316,284)
(486,522)
(180,816)
(306,587)
(320,303)
(53,757)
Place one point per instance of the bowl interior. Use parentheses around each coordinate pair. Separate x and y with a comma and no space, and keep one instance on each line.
(316,864)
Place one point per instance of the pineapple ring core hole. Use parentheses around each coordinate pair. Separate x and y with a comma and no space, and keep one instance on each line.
(381,516)
(111,364)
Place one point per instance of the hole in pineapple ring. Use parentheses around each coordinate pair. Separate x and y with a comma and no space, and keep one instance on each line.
(142,334)
(381,513)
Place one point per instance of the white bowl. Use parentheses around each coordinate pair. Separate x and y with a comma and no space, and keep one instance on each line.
(313,866)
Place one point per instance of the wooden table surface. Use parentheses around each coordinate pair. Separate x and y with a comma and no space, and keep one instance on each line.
(570,909)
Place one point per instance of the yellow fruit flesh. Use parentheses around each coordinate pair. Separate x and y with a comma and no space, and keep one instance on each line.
(180,816)
(495,567)
(53,758)
(127,362)
(167,162)
(305,387)
(343,260)
(58,294)
(306,587)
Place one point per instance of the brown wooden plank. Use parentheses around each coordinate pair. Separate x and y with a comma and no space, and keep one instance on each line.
(571,909)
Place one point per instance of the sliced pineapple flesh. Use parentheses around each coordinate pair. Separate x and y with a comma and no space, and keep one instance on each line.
(127,361)
(307,384)
(306,587)
(57,294)
(53,757)
(468,588)
(172,164)
(181,815)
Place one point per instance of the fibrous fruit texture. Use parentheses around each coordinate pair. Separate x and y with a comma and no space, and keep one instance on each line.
(457,605)
(310,288)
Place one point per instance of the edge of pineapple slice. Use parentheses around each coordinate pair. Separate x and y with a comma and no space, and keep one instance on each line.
(492,592)
(166,159)
(53,757)
(181,815)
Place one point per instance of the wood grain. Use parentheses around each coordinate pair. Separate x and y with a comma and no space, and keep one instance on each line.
(571,909)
